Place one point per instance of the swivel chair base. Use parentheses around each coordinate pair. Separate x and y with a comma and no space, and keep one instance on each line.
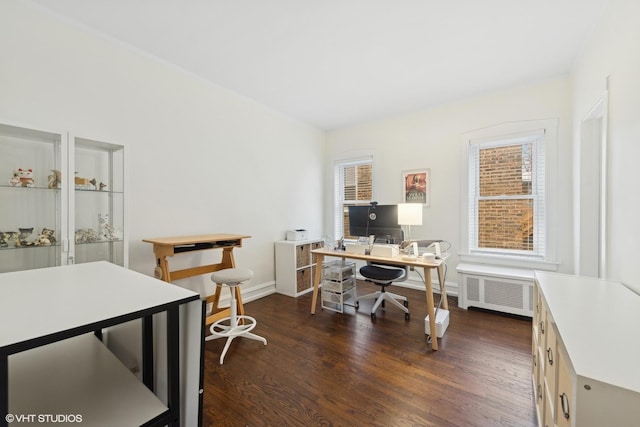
(381,297)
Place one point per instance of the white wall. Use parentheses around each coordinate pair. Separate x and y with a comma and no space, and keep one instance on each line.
(432,139)
(202,159)
(613,52)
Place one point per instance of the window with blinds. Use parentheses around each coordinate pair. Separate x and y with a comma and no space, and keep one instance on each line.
(353,186)
(507,195)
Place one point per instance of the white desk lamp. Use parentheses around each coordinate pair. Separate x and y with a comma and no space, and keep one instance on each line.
(410,214)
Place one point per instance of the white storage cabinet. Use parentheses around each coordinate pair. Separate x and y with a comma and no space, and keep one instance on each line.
(295,266)
(585,353)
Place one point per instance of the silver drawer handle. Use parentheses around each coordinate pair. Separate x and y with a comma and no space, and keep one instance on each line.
(564,402)
(539,391)
(550,356)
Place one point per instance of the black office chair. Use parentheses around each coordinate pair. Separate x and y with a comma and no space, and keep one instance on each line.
(383,275)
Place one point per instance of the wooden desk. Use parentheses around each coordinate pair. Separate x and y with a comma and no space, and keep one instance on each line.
(164,247)
(438,265)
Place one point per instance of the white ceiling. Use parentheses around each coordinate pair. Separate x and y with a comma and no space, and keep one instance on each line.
(334,63)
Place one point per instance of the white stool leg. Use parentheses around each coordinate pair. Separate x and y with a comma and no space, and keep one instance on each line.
(253,336)
(226,347)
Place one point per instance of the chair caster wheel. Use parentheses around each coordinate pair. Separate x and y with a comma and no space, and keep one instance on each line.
(382,305)
(373,316)
(407,316)
(357,305)
(406,303)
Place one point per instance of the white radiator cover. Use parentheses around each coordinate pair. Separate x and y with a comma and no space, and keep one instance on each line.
(504,289)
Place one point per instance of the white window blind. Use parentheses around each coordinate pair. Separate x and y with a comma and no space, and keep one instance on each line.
(507,195)
(353,185)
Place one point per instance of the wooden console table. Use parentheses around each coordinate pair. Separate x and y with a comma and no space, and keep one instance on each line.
(164,247)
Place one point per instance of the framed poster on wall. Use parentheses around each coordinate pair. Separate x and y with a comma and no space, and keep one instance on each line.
(416,186)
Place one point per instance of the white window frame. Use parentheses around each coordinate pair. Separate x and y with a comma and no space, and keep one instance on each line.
(546,257)
(537,195)
(338,190)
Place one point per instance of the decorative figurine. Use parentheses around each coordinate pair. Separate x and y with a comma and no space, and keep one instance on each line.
(11,237)
(93,182)
(55,180)
(46,238)
(105,231)
(102,186)
(81,183)
(86,236)
(4,239)
(26,177)
(15,181)
(22,237)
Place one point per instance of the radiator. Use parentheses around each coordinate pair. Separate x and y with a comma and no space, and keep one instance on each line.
(503,289)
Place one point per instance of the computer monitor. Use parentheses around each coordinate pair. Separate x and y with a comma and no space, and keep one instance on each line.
(378,220)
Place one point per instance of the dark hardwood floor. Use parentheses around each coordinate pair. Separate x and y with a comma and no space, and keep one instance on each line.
(332,369)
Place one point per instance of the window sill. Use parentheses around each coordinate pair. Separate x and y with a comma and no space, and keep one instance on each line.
(508,261)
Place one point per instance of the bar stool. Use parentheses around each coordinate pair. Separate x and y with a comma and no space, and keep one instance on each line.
(235,325)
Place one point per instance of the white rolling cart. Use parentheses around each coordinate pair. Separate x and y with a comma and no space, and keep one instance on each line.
(338,285)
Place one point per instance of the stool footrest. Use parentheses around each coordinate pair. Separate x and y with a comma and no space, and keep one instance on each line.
(223,327)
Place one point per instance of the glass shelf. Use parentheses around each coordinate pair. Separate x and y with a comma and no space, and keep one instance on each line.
(98,191)
(99,241)
(19,187)
(8,248)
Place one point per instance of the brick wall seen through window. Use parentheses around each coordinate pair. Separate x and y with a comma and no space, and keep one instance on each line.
(505,205)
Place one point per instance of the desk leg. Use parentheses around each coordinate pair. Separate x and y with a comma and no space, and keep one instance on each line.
(4,389)
(430,308)
(239,304)
(215,299)
(147,352)
(316,282)
(443,288)
(173,364)
(161,262)
(228,261)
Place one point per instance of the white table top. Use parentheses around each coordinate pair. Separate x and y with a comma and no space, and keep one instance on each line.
(37,303)
(599,323)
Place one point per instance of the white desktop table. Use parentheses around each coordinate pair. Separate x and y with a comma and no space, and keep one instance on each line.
(427,266)
(52,360)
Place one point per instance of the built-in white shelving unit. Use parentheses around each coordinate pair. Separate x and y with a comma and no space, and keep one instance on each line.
(63,199)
